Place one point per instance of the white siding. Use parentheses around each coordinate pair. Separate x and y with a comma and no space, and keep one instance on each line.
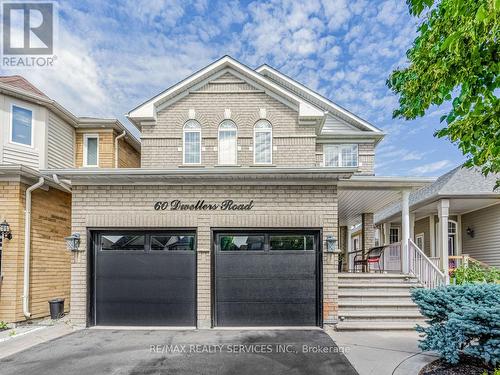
(19,156)
(61,143)
(485,246)
(336,125)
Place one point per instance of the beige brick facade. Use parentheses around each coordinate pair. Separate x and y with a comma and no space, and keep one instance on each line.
(313,207)
(50,261)
(128,157)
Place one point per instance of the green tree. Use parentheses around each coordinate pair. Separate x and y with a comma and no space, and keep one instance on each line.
(455,58)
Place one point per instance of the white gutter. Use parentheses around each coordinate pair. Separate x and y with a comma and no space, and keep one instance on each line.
(116,146)
(27,245)
(60,183)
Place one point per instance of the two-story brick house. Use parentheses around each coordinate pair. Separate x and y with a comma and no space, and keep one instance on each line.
(247,180)
(37,133)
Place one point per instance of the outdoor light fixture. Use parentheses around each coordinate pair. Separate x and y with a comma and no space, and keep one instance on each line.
(5,230)
(73,242)
(470,232)
(330,243)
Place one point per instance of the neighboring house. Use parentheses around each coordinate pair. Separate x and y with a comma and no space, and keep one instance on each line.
(466,203)
(38,133)
(247,180)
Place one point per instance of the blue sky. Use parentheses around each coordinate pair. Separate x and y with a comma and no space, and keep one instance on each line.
(113,55)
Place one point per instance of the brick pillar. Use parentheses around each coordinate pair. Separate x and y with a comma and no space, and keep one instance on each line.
(204,310)
(343,244)
(367,232)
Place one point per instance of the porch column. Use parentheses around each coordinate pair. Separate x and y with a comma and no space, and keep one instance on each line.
(343,240)
(387,233)
(405,229)
(349,246)
(367,233)
(412,226)
(443,212)
(432,235)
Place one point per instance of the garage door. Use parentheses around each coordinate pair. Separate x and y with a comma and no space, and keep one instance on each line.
(266,279)
(145,279)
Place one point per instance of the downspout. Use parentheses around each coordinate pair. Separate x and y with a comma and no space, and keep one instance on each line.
(27,245)
(60,183)
(116,146)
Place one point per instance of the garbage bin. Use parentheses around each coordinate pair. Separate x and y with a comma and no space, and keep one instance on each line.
(56,308)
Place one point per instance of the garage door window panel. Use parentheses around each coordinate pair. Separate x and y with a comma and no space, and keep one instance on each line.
(129,242)
(291,242)
(172,242)
(242,243)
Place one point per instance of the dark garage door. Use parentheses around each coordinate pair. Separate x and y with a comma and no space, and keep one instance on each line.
(266,279)
(144,279)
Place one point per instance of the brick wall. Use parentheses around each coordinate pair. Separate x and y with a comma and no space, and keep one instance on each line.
(106,147)
(128,157)
(11,209)
(293,145)
(50,261)
(132,207)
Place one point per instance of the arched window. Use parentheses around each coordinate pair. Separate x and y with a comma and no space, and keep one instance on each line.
(263,142)
(192,142)
(228,143)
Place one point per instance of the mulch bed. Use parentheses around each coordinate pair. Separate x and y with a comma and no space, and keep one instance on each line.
(466,366)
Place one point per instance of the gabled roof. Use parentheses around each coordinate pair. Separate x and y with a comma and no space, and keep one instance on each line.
(19,87)
(21,83)
(315,98)
(147,110)
(460,182)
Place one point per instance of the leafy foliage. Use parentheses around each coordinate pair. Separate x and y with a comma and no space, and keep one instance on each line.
(475,273)
(3,325)
(455,58)
(462,318)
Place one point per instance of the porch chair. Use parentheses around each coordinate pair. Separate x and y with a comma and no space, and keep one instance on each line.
(372,256)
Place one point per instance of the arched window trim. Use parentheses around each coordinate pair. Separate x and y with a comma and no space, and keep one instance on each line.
(262,130)
(186,129)
(234,129)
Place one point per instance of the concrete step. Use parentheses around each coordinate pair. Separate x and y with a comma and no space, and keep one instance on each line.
(388,286)
(380,307)
(392,316)
(356,278)
(371,298)
(376,326)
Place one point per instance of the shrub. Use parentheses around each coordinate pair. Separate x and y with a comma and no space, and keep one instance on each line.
(475,273)
(462,318)
(3,325)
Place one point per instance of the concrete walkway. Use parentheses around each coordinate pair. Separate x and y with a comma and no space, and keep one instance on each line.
(23,337)
(383,353)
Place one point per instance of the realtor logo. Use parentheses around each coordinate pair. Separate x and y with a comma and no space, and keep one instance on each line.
(27,33)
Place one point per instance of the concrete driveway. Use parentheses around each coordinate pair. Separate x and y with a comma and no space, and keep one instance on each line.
(241,352)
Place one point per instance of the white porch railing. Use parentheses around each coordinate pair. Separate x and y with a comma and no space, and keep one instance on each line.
(424,268)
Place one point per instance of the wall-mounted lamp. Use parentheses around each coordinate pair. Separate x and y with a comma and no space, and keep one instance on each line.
(73,242)
(5,230)
(331,241)
(470,232)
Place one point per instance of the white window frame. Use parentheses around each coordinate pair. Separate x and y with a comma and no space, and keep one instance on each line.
(259,130)
(422,236)
(31,145)
(339,145)
(184,131)
(235,140)
(86,137)
(399,234)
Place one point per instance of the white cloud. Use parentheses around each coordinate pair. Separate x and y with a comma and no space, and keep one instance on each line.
(431,167)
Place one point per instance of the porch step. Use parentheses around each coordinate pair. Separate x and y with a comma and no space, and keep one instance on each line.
(376,326)
(356,278)
(377,302)
(393,316)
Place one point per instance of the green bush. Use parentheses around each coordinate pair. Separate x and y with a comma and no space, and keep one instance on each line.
(3,325)
(462,319)
(475,273)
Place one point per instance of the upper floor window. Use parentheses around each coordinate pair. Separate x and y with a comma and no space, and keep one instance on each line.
(192,142)
(342,155)
(91,150)
(263,142)
(22,126)
(228,143)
